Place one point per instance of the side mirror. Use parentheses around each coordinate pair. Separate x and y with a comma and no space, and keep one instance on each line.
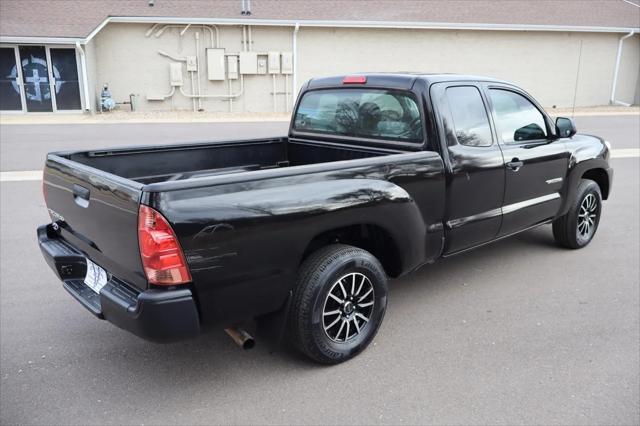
(565,127)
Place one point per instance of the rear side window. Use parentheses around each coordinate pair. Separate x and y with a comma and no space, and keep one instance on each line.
(364,113)
(469,115)
(517,119)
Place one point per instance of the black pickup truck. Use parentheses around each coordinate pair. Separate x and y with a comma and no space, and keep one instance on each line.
(378,175)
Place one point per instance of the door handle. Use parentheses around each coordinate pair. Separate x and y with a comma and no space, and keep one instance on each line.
(515,164)
(81,195)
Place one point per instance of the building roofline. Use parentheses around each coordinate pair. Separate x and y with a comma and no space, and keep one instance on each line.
(315,23)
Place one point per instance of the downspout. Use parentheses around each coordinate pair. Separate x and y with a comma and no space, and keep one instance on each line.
(294,77)
(85,83)
(244,38)
(198,71)
(612,99)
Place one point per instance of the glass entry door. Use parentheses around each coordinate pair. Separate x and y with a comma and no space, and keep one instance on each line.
(39,79)
(10,90)
(65,76)
(35,76)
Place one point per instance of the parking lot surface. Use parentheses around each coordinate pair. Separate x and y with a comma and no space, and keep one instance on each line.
(517,332)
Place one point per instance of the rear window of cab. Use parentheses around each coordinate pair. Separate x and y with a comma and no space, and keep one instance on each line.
(362,113)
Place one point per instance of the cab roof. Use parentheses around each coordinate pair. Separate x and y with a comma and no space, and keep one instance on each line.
(400,80)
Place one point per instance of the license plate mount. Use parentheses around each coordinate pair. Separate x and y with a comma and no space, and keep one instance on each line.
(96,277)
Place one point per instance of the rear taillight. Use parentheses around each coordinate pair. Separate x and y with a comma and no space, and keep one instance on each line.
(162,257)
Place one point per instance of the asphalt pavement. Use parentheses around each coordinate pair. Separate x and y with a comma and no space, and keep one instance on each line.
(517,332)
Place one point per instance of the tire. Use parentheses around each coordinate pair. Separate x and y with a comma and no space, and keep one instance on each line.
(313,309)
(574,230)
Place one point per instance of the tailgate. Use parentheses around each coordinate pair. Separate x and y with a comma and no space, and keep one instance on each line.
(97,213)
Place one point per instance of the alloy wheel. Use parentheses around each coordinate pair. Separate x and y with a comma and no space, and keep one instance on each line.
(348,307)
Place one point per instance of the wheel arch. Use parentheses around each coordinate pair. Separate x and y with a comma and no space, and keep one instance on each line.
(599,175)
(596,169)
(371,237)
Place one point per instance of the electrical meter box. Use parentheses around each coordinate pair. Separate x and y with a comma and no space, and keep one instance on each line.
(175,74)
(262,65)
(274,62)
(215,64)
(287,63)
(232,67)
(248,63)
(192,63)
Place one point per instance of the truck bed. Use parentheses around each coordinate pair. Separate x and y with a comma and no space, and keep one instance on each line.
(148,165)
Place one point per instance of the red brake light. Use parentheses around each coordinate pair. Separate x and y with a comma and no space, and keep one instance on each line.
(162,257)
(354,79)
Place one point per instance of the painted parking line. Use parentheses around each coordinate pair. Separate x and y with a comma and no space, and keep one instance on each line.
(21,176)
(34,175)
(625,153)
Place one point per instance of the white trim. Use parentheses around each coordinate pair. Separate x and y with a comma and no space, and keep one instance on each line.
(294,52)
(631,3)
(85,81)
(52,84)
(364,24)
(40,40)
(612,98)
(314,23)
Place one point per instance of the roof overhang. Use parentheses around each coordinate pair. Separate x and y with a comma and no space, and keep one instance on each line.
(314,23)
(41,40)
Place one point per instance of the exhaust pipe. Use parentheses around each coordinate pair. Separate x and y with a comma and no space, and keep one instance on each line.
(240,337)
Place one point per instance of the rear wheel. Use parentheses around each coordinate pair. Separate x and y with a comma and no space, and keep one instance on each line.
(578,226)
(339,303)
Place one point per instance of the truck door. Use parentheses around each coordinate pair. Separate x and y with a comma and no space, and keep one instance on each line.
(475,166)
(536,162)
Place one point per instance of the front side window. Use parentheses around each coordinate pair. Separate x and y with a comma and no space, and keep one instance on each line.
(517,119)
(469,115)
(363,113)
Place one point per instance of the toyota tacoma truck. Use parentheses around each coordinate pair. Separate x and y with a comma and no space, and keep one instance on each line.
(378,175)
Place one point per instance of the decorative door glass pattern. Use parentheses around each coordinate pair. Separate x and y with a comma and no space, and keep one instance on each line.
(35,73)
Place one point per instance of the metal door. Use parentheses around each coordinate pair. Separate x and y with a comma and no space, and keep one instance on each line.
(475,178)
(536,162)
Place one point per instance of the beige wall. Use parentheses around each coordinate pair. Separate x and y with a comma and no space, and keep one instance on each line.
(544,63)
(129,62)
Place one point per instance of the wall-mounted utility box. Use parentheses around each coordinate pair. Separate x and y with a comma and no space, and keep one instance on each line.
(175,74)
(274,62)
(287,63)
(232,67)
(262,64)
(192,63)
(215,64)
(248,63)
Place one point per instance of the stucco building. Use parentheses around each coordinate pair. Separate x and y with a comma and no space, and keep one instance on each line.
(253,55)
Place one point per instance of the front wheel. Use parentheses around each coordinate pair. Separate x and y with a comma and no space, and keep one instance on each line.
(339,303)
(578,226)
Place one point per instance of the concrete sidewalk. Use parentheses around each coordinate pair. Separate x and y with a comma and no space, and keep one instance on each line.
(213,117)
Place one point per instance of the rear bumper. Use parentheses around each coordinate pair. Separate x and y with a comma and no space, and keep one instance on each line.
(155,315)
